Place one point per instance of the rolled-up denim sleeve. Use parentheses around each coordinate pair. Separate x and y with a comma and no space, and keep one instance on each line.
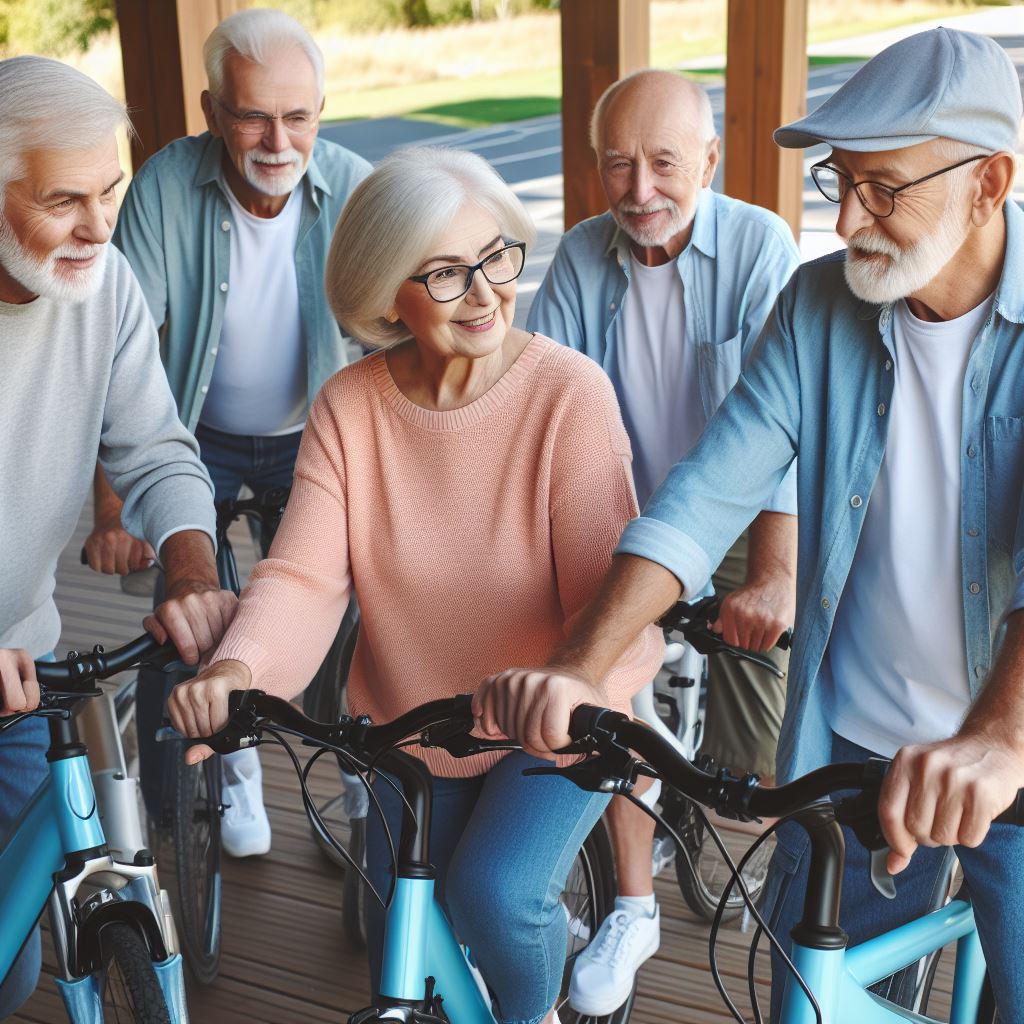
(733,472)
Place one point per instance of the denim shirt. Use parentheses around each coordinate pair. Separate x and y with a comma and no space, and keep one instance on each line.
(819,384)
(738,258)
(174,227)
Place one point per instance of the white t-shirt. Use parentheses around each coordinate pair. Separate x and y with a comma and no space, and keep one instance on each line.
(259,378)
(896,667)
(658,374)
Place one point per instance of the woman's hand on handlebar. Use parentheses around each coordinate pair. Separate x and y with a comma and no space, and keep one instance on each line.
(19,689)
(200,706)
(532,707)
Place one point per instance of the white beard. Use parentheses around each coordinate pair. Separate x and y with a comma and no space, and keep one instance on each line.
(650,238)
(278,184)
(906,270)
(43,276)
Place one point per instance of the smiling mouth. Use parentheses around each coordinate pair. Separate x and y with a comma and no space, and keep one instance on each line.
(480,321)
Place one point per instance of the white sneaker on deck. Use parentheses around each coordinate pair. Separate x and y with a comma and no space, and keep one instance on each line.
(245,828)
(603,974)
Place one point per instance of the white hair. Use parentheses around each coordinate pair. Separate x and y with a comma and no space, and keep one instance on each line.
(50,105)
(392,220)
(705,118)
(258,36)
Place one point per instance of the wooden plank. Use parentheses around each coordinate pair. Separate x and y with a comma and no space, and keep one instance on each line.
(602,41)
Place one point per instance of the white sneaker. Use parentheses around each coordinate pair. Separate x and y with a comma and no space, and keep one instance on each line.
(603,974)
(245,828)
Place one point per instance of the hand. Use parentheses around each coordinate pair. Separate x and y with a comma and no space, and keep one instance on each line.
(194,616)
(19,689)
(755,615)
(200,706)
(946,793)
(532,707)
(112,550)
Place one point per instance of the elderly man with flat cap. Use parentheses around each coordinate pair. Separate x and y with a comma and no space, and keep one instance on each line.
(893,370)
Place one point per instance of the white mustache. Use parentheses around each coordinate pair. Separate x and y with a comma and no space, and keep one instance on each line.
(874,244)
(635,211)
(289,156)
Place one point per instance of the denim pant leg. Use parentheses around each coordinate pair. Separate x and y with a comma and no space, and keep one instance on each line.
(864,912)
(22,768)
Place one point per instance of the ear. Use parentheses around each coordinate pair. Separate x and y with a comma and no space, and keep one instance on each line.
(713,156)
(391,316)
(993,182)
(209,113)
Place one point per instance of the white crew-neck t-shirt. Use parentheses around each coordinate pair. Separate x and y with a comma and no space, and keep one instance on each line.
(259,378)
(658,374)
(896,667)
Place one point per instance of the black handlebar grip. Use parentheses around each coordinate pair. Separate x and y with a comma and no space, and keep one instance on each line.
(83,557)
(583,720)
(785,640)
(1014,814)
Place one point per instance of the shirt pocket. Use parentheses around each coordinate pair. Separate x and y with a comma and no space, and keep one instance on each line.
(723,360)
(1004,479)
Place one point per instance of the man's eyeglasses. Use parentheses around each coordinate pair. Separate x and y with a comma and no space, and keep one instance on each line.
(878,199)
(255,122)
(449,283)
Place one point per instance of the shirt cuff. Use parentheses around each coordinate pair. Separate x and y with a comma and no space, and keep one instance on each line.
(676,551)
(784,498)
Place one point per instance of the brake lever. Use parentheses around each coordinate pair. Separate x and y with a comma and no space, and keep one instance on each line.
(455,737)
(860,813)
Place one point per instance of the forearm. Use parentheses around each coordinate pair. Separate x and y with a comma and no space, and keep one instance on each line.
(106,504)
(635,592)
(772,547)
(998,711)
(188,558)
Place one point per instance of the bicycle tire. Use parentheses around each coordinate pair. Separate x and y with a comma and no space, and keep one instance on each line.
(195,830)
(353,902)
(131,990)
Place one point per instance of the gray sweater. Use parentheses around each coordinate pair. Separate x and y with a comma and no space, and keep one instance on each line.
(80,381)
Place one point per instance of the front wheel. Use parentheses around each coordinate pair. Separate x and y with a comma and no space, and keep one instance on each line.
(131,990)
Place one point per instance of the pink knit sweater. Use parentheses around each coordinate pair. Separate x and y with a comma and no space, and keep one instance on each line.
(471,537)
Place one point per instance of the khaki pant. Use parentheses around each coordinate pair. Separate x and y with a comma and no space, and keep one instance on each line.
(745,702)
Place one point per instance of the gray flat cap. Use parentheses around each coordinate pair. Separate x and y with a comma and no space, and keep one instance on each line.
(938,83)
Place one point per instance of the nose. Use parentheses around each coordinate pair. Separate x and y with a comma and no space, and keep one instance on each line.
(96,224)
(852,216)
(275,138)
(643,184)
(480,291)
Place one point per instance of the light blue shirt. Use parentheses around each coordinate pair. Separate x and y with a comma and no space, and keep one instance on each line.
(174,227)
(738,258)
(819,384)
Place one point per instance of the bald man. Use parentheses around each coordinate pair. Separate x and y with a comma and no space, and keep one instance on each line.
(668,291)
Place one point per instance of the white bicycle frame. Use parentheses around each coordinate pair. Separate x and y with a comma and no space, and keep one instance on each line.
(690,665)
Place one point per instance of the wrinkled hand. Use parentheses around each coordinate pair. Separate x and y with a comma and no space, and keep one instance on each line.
(19,689)
(112,550)
(200,706)
(755,615)
(194,617)
(946,793)
(532,707)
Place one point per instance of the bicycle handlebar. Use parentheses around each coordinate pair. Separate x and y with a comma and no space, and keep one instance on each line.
(77,671)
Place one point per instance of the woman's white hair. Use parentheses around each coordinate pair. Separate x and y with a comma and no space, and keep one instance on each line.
(393,220)
(50,105)
(258,35)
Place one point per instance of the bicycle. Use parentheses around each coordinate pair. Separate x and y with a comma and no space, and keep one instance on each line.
(117,952)
(427,977)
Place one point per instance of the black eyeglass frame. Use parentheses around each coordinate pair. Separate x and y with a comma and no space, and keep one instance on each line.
(887,189)
(266,119)
(423,278)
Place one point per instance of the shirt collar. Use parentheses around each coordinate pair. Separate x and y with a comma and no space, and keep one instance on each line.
(1009,301)
(209,169)
(703,237)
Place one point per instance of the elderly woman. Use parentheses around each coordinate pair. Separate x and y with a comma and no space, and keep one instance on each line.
(468,483)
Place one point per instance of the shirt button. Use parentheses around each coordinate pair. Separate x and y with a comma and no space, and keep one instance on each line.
(213,351)
(979,670)
(888,364)
(204,389)
(825,603)
(881,408)
(975,588)
(612,307)
(971,451)
(856,501)
(225,225)
(972,531)
(223,286)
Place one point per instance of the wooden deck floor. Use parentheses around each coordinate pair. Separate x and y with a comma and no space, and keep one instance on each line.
(284,958)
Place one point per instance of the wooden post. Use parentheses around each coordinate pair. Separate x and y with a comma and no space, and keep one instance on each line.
(162,53)
(602,40)
(765,86)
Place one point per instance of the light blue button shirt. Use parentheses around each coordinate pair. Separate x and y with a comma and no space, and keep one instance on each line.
(738,258)
(174,227)
(819,384)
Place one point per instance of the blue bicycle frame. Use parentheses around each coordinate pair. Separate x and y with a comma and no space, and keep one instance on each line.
(56,852)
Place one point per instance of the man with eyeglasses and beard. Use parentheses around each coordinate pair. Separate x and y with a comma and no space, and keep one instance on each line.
(893,370)
(228,235)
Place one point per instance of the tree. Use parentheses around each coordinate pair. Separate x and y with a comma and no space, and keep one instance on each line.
(53,26)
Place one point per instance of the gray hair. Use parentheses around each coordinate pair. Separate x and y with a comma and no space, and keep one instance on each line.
(705,118)
(50,105)
(392,220)
(258,36)
(951,151)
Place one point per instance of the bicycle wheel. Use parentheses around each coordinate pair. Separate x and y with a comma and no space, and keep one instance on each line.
(195,828)
(702,873)
(588,898)
(131,991)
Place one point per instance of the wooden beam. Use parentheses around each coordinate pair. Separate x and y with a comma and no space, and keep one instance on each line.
(765,86)
(162,54)
(602,41)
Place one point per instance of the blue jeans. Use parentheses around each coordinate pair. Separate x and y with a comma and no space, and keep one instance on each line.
(22,771)
(233,460)
(994,873)
(503,846)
